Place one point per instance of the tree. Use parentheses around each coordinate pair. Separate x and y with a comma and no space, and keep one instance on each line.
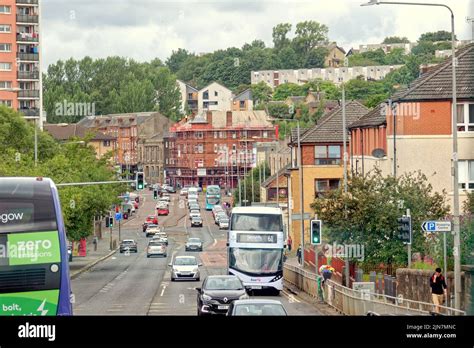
(441,35)
(288,58)
(424,48)
(368,214)
(286,90)
(279,34)
(309,35)
(278,110)
(246,189)
(177,58)
(316,58)
(360,89)
(330,90)
(395,39)
(261,92)
(255,44)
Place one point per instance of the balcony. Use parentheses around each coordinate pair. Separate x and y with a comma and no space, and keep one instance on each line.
(26,38)
(28,75)
(27,19)
(27,2)
(29,93)
(28,56)
(30,112)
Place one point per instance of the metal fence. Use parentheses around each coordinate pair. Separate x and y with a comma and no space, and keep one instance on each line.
(358,302)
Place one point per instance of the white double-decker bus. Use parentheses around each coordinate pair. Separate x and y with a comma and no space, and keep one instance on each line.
(255,247)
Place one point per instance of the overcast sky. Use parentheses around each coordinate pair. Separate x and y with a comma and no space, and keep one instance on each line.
(146,29)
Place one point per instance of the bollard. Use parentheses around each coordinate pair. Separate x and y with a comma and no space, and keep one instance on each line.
(373,277)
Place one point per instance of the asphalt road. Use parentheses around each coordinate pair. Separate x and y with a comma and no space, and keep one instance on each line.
(132,284)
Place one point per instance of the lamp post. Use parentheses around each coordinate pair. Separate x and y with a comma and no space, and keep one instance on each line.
(455,173)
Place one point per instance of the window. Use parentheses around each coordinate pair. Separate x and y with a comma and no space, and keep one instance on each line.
(215,148)
(5,66)
(200,148)
(242,104)
(222,135)
(327,155)
(216,94)
(465,116)
(466,175)
(5,9)
(234,134)
(106,143)
(5,28)
(205,95)
(190,96)
(323,186)
(6,102)
(215,135)
(5,84)
(265,134)
(198,135)
(234,148)
(5,47)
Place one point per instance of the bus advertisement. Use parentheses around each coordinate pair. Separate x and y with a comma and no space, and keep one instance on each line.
(213,196)
(255,247)
(34,269)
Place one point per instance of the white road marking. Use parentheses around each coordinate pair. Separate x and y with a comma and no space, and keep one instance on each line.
(291,297)
(163,291)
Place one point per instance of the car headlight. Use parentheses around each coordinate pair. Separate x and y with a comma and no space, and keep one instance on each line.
(244,297)
(196,270)
(206,297)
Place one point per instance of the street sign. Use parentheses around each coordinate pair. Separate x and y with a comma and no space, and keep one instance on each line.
(436,226)
(118,216)
(306,216)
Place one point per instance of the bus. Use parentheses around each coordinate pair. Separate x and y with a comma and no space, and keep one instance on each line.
(34,265)
(213,196)
(255,247)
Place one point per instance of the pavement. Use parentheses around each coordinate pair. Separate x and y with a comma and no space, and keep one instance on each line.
(133,284)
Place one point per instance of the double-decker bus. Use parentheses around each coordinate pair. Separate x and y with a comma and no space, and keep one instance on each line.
(255,247)
(213,196)
(34,269)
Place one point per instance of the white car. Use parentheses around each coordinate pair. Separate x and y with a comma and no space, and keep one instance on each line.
(162,204)
(223,223)
(194,213)
(221,215)
(152,231)
(164,199)
(185,268)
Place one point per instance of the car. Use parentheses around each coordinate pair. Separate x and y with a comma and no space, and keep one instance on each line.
(162,204)
(163,211)
(147,225)
(194,207)
(216,209)
(192,201)
(164,198)
(223,223)
(184,191)
(194,214)
(69,252)
(152,219)
(162,235)
(194,244)
(128,245)
(169,189)
(220,215)
(256,307)
(185,268)
(151,231)
(156,248)
(217,294)
(192,197)
(196,221)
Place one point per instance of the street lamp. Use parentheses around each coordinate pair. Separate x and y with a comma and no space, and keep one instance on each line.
(455,173)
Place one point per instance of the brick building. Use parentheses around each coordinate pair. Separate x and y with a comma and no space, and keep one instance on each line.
(215,149)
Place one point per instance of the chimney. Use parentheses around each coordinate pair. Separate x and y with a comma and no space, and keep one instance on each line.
(228,122)
(209,117)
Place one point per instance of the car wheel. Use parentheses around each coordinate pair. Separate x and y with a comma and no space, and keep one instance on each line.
(148,256)
(198,279)
(165,255)
(172,279)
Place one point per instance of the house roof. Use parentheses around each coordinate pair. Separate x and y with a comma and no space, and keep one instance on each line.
(294,134)
(64,131)
(329,129)
(247,91)
(270,179)
(256,118)
(296,99)
(436,84)
(217,83)
(375,117)
(117,120)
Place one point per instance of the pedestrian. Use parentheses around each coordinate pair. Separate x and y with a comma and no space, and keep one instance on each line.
(438,288)
(298,254)
(95,242)
(289,242)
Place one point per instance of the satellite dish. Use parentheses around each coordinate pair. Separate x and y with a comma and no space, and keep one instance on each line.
(378,153)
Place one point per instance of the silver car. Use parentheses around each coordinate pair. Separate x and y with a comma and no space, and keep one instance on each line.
(156,248)
(185,268)
(194,244)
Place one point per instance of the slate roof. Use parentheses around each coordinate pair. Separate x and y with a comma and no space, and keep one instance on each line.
(437,83)
(329,129)
(374,117)
(270,179)
(65,131)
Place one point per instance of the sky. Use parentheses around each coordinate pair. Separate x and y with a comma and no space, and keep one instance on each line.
(148,29)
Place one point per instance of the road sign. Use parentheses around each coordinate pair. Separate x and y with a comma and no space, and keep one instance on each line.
(306,216)
(436,226)
(118,216)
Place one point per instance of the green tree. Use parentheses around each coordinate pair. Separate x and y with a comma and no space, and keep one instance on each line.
(316,57)
(288,58)
(177,58)
(368,214)
(286,90)
(441,35)
(246,188)
(280,36)
(395,39)
(261,92)
(309,35)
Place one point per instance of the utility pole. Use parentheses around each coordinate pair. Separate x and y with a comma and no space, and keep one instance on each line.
(111,246)
(36,141)
(393,107)
(277,168)
(411,239)
(300,161)
(471,20)
(344,146)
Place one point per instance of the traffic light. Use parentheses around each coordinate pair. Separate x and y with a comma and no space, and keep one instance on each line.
(155,194)
(109,221)
(139,181)
(316,232)
(404,229)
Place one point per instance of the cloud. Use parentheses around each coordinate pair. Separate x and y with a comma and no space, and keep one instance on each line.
(146,29)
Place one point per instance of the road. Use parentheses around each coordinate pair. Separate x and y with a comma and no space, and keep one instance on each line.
(132,284)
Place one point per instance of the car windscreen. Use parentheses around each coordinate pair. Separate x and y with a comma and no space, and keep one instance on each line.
(259,309)
(256,222)
(223,284)
(194,240)
(187,261)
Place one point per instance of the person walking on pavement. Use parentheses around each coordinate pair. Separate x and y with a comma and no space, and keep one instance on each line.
(438,288)
(289,242)
(299,254)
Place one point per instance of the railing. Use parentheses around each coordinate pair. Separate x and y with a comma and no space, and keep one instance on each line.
(28,75)
(29,94)
(27,2)
(28,56)
(30,112)
(358,302)
(27,18)
(26,38)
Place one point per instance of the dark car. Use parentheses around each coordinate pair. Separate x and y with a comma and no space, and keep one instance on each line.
(217,294)
(257,307)
(128,244)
